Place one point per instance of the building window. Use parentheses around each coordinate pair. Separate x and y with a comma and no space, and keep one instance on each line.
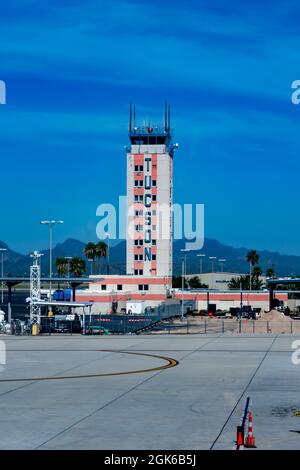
(136,182)
(143,287)
(103,287)
(154,242)
(138,272)
(136,168)
(141,198)
(154,257)
(154,212)
(119,287)
(153,227)
(136,198)
(154,197)
(141,183)
(141,257)
(141,168)
(136,257)
(153,182)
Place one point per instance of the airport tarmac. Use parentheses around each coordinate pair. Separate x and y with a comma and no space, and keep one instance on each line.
(76,392)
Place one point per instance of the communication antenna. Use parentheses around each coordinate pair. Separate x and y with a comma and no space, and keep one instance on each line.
(166,107)
(130,118)
(134,120)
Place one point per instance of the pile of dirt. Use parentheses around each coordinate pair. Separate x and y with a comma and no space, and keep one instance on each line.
(274,315)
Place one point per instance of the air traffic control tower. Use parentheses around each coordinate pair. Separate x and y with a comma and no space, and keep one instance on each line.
(149,198)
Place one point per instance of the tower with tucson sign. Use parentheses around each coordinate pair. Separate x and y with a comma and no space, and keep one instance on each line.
(149,198)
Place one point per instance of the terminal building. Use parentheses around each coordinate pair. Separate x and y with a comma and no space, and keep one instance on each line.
(219,280)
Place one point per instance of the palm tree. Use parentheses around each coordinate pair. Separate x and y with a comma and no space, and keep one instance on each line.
(241,282)
(177,282)
(90,252)
(61,266)
(270,272)
(77,266)
(256,282)
(256,271)
(101,250)
(252,258)
(195,283)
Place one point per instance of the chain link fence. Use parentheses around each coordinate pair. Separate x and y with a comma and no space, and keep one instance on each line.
(192,325)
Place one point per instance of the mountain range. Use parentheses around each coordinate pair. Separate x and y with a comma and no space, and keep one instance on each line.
(16,264)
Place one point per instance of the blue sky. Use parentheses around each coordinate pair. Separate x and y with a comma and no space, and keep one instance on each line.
(71,68)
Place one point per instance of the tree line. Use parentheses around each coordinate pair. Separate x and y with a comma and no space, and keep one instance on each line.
(249,281)
(252,280)
(77,265)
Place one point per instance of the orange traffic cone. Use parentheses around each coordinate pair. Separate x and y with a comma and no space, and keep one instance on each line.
(250,439)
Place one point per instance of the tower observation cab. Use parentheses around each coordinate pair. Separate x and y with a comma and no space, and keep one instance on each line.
(150,135)
(149,188)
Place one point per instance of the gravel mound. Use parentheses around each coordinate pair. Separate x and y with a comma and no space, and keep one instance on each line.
(274,315)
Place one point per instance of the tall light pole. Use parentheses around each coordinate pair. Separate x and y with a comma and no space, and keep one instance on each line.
(107,254)
(91,261)
(212,258)
(51,223)
(2,271)
(182,289)
(222,261)
(183,280)
(201,263)
(68,258)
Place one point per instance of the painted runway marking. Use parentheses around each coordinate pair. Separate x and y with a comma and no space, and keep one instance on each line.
(170,363)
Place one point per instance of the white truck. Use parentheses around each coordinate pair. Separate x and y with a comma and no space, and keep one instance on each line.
(135,308)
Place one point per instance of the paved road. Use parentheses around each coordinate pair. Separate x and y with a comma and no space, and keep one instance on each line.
(195,405)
